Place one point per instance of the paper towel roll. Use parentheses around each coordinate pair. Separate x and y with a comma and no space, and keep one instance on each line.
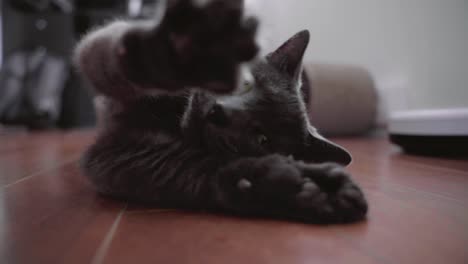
(342,99)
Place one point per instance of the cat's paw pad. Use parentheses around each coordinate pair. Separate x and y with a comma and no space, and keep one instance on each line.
(310,194)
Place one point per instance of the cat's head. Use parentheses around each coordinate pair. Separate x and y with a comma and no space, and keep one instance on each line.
(269,116)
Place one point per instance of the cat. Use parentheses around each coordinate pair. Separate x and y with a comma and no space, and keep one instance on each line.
(251,153)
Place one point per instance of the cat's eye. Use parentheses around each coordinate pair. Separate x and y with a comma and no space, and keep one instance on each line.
(262,139)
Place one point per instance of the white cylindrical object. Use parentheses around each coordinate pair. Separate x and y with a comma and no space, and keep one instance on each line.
(434,122)
(343,99)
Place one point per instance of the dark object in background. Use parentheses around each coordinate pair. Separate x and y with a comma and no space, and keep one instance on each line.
(65,6)
(439,146)
(38,40)
(31,86)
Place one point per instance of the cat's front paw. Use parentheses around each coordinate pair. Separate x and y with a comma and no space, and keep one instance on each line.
(329,195)
(259,186)
(280,187)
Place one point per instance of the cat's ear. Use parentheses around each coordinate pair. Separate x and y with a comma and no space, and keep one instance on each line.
(320,149)
(288,57)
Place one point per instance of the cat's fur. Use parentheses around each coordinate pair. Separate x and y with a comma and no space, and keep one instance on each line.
(252,154)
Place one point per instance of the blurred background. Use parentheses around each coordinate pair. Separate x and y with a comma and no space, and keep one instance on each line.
(415,52)
(39,88)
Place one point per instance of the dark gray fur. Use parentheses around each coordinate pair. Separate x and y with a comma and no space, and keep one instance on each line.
(251,154)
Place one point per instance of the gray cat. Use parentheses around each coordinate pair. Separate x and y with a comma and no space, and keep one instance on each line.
(252,153)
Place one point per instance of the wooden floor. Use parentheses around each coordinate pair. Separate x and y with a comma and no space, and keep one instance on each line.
(50,214)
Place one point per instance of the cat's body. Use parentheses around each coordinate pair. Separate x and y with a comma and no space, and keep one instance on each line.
(243,153)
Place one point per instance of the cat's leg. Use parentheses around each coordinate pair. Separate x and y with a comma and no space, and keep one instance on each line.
(211,38)
(278,186)
(175,175)
(195,44)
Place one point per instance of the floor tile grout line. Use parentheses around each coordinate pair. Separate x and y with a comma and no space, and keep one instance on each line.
(74,159)
(103,248)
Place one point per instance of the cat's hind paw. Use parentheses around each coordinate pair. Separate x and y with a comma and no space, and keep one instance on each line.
(210,39)
(330,196)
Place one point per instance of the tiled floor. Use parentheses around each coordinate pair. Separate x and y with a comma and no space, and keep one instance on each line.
(50,214)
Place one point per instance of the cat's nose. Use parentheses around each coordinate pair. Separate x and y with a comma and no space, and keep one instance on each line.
(217,115)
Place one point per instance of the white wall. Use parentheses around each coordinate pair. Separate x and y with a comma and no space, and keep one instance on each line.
(417,50)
